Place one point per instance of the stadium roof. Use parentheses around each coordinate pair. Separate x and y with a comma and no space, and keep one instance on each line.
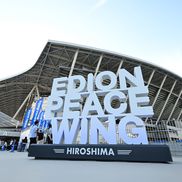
(60,59)
(7,121)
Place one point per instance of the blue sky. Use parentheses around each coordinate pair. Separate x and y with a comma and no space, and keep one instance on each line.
(147,29)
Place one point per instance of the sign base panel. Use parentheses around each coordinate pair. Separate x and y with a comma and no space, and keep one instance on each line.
(133,153)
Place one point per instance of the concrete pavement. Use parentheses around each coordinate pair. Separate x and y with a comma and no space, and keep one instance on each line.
(16,166)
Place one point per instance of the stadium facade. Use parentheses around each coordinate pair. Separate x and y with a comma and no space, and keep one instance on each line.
(59,59)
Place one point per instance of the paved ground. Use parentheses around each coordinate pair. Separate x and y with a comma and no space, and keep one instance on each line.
(17,167)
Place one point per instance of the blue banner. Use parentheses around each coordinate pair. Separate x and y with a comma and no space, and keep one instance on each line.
(41,119)
(45,124)
(37,110)
(26,118)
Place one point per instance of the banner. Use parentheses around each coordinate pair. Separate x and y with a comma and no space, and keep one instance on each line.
(26,118)
(37,110)
(45,124)
(41,119)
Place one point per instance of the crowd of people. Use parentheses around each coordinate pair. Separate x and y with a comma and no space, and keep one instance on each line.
(36,136)
(8,144)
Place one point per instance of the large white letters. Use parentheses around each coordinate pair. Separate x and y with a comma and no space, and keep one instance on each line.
(82,109)
(138,134)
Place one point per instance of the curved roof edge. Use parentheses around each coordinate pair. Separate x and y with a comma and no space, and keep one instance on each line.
(26,69)
(115,53)
(98,50)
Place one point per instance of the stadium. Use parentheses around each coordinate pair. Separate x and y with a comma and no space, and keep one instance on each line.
(59,59)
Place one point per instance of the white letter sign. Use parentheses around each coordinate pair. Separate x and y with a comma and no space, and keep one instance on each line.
(84,110)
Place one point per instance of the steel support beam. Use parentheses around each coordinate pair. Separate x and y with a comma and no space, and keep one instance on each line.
(98,65)
(73,63)
(37,90)
(119,67)
(150,78)
(174,107)
(164,106)
(40,72)
(160,88)
(19,109)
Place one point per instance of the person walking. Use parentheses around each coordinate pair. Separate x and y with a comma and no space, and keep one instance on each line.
(33,132)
